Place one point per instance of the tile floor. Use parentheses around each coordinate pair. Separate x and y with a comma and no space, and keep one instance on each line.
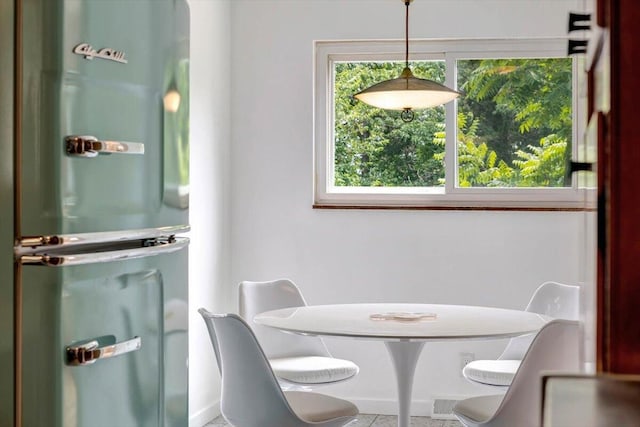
(372,420)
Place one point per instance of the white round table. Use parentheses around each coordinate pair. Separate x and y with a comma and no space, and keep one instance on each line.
(407,328)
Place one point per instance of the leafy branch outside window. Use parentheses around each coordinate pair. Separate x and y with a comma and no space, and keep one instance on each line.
(514,126)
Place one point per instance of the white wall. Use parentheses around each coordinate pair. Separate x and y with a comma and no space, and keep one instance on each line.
(479,257)
(209,253)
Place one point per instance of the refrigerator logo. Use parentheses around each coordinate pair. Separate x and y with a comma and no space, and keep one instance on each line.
(86,50)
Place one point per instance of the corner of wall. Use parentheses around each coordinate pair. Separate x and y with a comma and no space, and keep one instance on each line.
(209,256)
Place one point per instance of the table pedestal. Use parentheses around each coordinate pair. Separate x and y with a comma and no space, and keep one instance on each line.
(404,356)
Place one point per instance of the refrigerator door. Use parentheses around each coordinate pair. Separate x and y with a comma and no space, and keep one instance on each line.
(105,337)
(104,137)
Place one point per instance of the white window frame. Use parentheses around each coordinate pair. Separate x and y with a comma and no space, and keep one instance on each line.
(326,194)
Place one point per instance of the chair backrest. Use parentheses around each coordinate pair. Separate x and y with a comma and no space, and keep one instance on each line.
(258,297)
(251,395)
(212,334)
(556,347)
(556,300)
(551,299)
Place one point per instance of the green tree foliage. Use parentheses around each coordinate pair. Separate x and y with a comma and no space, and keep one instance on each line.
(536,91)
(543,165)
(477,164)
(523,105)
(514,126)
(374,147)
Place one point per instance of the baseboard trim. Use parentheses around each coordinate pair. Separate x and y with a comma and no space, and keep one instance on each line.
(205,415)
(419,408)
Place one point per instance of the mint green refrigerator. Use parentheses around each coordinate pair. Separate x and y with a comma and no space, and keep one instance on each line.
(100,196)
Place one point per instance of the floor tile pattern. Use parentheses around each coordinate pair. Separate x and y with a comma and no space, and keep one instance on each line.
(372,420)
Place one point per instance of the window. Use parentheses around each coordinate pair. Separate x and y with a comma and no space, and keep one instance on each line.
(505,143)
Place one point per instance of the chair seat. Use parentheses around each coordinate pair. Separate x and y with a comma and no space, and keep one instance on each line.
(476,410)
(491,372)
(313,369)
(315,407)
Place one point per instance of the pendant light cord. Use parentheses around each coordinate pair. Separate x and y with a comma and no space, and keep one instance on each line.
(406,34)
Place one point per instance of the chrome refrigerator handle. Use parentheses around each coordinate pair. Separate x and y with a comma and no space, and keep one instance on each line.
(29,244)
(88,352)
(149,248)
(89,146)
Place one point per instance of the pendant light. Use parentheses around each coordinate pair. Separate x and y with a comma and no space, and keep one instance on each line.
(407,92)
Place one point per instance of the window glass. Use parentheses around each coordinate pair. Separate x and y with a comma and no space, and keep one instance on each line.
(374,147)
(514,124)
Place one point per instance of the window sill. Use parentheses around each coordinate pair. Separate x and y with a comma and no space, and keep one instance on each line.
(531,199)
(454,208)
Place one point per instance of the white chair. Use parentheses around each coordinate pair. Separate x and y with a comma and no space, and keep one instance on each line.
(251,395)
(298,361)
(551,299)
(556,347)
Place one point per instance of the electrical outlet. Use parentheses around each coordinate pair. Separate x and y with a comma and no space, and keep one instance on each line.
(465,359)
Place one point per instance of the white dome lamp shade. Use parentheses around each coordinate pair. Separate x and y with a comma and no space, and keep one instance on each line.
(407,92)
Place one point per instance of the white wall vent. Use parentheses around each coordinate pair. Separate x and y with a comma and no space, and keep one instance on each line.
(442,408)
